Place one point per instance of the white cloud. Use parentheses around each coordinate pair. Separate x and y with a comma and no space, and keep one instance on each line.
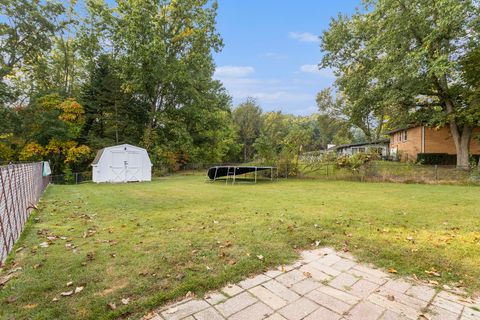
(313,68)
(233,71)
(304,36)
(309,68)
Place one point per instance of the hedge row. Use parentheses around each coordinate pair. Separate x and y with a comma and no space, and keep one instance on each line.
(441,158)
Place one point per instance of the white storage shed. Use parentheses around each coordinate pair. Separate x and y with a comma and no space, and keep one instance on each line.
(122,163)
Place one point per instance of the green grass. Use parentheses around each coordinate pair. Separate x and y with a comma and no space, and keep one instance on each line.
(152,242)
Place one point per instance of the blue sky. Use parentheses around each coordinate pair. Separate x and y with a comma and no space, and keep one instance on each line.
(272,51)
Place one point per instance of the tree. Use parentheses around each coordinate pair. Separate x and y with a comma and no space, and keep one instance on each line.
(112,116)
(247,118)
(165,51)
(26,31)
(333,131)
(274,130)
(283,138)
(408,54)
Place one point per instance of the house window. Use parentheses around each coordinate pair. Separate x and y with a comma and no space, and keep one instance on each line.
(361,149)
(399,136)
(405,135)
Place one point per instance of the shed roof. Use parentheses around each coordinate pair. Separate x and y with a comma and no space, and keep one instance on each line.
(98,156)
(100,152)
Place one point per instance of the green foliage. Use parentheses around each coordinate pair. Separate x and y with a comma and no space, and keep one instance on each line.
(436,158)
(27,33)
(248,120)
(357,162)
(68,175)
(283,138)
(136,72)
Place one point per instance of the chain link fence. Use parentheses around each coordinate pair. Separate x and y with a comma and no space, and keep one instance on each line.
(375,171)
(73,178)
(21,186)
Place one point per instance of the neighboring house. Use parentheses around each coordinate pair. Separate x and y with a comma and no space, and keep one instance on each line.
(381,146)
(407,143)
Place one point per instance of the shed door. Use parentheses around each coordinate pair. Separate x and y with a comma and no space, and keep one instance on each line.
(118,166)
(133,168)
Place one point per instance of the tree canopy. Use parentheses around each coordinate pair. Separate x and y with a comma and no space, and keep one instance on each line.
(408,58)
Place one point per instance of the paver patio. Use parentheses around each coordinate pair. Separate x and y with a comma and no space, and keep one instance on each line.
(324,284)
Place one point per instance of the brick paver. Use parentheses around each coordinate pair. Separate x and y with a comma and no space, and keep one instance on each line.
(324,284)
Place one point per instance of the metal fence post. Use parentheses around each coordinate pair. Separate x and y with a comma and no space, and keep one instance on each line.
(436,173)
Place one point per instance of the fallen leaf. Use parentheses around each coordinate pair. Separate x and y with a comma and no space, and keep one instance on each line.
(69,283)
(432,272)
(78,289)
(7,278)
(55,299)
(125,301)
(11,299)
(44,244)
(112,305)
(171,310)
(307,274)
(392,270)
(260,257)
(390,297)
(66,293)
(150,316)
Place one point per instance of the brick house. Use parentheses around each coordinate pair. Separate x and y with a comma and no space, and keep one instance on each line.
(407,143)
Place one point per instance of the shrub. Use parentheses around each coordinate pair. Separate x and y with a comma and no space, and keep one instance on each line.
(357,161)
(442,158)
(436,158)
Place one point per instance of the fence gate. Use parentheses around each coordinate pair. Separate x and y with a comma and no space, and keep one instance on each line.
(21,186)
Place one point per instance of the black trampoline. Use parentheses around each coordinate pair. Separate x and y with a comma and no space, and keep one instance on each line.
(232,172)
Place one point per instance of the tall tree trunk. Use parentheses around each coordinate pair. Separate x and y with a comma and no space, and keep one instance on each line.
(462,144)
(244,151)
(461,138)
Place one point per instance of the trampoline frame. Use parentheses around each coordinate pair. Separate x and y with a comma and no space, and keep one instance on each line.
(234,174)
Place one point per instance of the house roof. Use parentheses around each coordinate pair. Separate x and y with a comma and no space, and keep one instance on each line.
(365,143)
(403,128)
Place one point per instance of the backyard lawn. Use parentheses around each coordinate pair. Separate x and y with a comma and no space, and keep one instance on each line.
(147,243)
